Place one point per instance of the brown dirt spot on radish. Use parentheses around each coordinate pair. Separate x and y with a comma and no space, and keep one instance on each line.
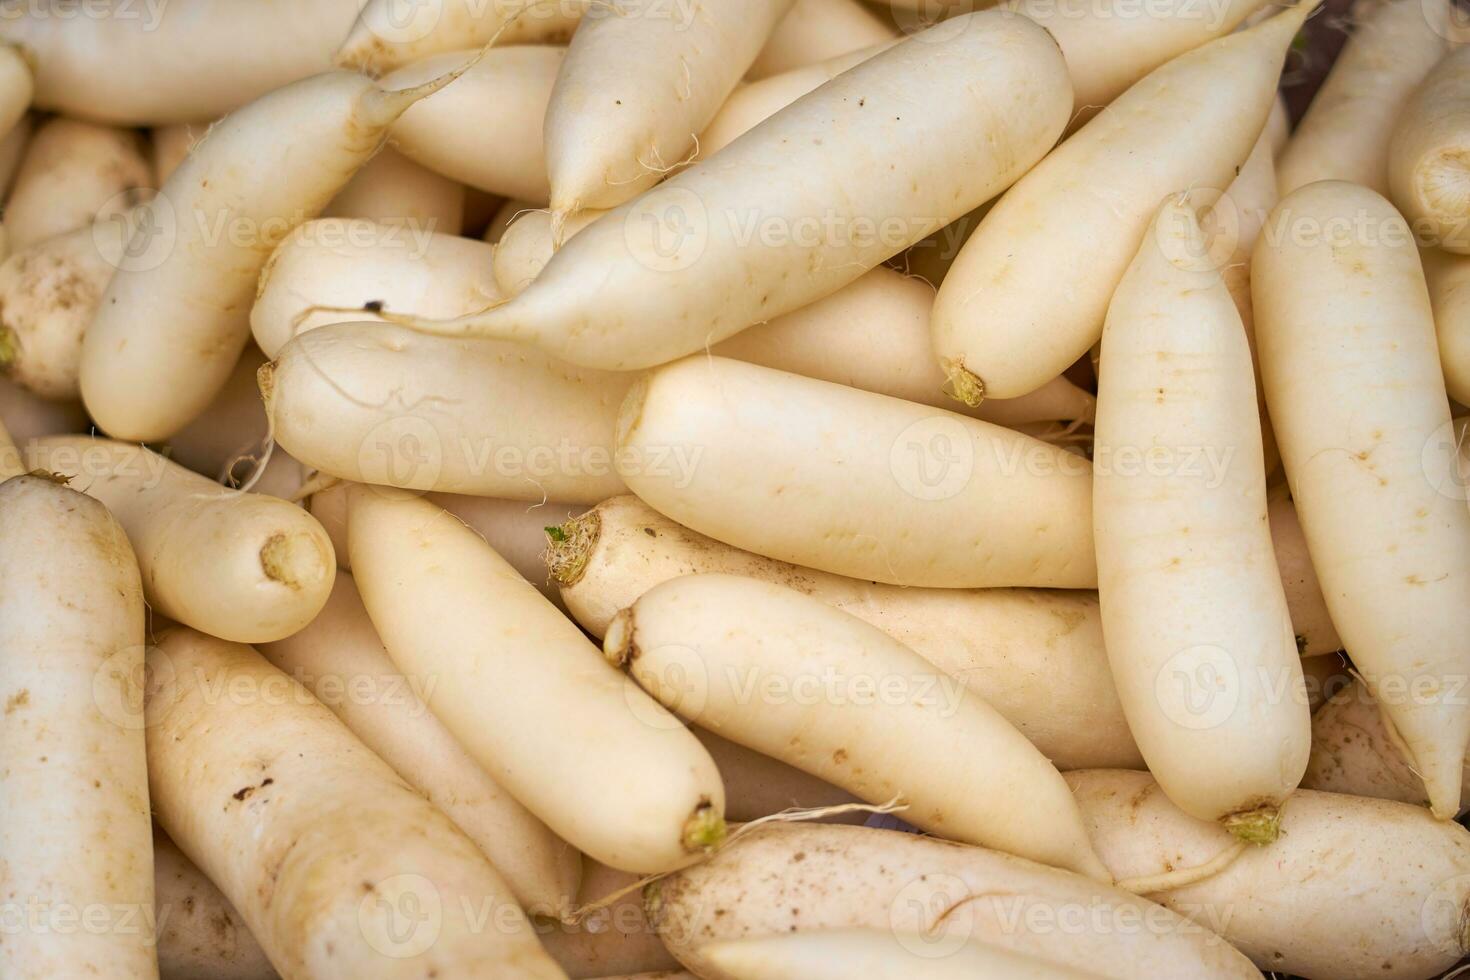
(840,756)
(17,700)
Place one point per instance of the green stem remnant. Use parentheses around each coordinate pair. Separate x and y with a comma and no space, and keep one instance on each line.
(705,830)
(569,545)
(964,386)
(1261,825)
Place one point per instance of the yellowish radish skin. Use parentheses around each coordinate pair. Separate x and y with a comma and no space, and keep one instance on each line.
(300,826)
(1027,295)
(641,79)
(1035,655)
(875,955)
(1346,132)
(1448,277)
(446,605)
(725,244)
(378,403)
(1389,871)
(734,654)
(817,30)
(708,442)
(1188,582)
(1363,440)
(340,659)
(1427,154)
(393,190)
(615,939)
(239,565)
(505,92)
(812,879)
(75,838)
(201,936)
(176,316)
(501,216)
(353,265)
(74,174)
(1310,620)
(382,39)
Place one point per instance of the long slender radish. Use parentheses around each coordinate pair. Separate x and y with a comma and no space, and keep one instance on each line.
(28,416)
(866,486)
(506,94)
(339,866)
(817,30)
(142,65)
(615,939)
(340,659)
(789,676)
(176,315)
(641,79)
(1035,655)
(75,839)
(393,190)
(1426,154)
(1388,871)
(1028,292)
(200,935)
(726,243)
(239,566)
(806,879)
(348,264)
(1352,376)
(73,174)
(378,403)
(1346,132)
(1194,614)
(446,605)
(383,38)
(1448,277)
(874,954)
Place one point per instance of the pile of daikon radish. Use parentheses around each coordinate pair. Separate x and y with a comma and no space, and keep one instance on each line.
(736,489)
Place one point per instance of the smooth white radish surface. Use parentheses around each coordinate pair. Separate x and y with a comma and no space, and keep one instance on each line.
(1448,277)
(788,675)
(1035,655)
(74,174)
(812,879)
(200,935)
(354,265)
(863,485)
(238,565)
(816,30)
(176,315)
(340,659)
(732,241)
(1346,131)
(74,829)
(1427,153)
(379,403)
(393,190)
(1392,875)
(641,79)
(1028,292)
(300,826)
(1193,610)
(505,93)
(175,62)
(383,38)
(446,605)
(1352,376)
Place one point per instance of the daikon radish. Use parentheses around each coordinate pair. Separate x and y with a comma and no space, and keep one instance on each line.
(814,31)
(876,955)
(339,866)
(1426,155)
(446,605)
(1028,292)
(1352,377)
(238,565)
(1448,277)
(384,38)
(75,838)
(74,174)
(393,190)
(200,935)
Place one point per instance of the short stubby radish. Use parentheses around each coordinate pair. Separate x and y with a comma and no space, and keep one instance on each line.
(1388,872)
(732,241)
(74,828)
(1193,610)
(790,676)
(351,267)
(1028,292)
(641,79)
(340,659)
(176,315)
(1349,361)
(200,935)
(1035,655)
(237,565)
(1448,277)
(1427,152)
(852,482)
(388,35)
(74,174)
(1347,129)
(814,31)
(378,403)
(505,92)
(933,896)
(446,605)
(314,839)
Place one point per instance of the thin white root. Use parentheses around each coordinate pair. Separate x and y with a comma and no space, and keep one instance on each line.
(1181,877)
